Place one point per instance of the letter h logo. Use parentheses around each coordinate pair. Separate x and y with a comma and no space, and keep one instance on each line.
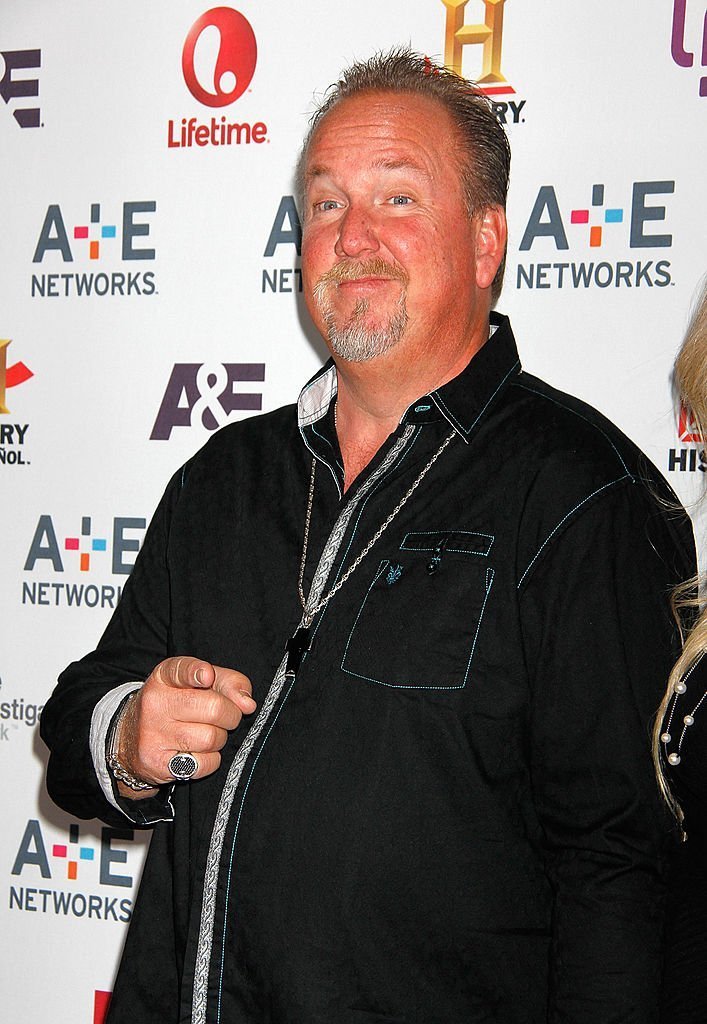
(457,35)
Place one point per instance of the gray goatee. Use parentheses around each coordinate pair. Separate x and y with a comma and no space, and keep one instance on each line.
(353,340)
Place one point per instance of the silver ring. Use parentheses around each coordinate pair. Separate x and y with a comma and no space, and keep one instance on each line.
(182,766)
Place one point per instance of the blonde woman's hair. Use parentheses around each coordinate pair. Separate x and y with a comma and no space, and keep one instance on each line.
(690,613)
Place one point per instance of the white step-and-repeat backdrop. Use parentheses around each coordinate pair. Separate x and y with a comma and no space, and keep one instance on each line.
(150,292)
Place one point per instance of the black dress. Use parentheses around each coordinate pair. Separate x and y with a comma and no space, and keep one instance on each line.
(685,751)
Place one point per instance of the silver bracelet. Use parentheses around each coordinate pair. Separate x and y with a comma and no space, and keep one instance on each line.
(118,770)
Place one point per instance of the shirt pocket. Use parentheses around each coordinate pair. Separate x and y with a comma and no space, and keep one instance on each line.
(419,622)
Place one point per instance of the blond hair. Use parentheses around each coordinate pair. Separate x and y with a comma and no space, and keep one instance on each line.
(689,610)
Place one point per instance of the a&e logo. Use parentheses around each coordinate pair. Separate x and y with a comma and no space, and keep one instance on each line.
(205,393)
(19,87)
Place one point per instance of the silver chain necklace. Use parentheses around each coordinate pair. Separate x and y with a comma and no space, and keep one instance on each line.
(299,643)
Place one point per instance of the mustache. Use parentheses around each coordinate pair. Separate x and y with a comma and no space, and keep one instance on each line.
(350,270)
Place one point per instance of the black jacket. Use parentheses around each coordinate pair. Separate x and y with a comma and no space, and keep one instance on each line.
(450,816)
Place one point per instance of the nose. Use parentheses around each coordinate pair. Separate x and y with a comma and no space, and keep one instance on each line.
(357,233)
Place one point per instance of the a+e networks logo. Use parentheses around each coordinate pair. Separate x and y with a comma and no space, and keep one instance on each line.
(458,35)
(16,86)
(683,57)
(98,865)
(605,220)
(97,236)
(85,554)
(218,63)
(12,435)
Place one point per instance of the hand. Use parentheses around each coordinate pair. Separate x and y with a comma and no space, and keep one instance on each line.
(185,704)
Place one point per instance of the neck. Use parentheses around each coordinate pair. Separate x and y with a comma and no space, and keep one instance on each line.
(373,396)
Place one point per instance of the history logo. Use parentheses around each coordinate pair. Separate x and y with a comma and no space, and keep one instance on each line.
(103,235)
(581,236)
(13,436)
(460,35)
(101,1003)
(219,58)
(690,456)
(17,85)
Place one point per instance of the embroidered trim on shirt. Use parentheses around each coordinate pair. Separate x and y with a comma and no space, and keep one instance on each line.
(223,812)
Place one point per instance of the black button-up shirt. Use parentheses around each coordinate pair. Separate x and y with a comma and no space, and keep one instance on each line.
(449,815)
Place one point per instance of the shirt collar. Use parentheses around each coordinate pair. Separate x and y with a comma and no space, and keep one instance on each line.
(462,401)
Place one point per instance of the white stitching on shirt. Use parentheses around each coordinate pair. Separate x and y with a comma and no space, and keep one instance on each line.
(574,412)
(564,520)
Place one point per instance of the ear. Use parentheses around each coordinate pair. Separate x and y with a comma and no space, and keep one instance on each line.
(491,238)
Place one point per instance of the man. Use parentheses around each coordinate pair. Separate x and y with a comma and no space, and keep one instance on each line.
(442,809)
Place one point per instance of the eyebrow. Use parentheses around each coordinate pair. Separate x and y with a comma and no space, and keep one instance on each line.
(383,163)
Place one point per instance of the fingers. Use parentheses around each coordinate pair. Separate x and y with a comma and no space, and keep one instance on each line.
(235,687)
(185,673)
(208,763)
(186,704)
(191,673)
(208,693)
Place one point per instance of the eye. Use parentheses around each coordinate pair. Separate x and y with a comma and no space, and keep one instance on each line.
(400,200)
(326,204)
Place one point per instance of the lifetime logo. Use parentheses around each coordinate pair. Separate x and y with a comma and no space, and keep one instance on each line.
(227,57)
(686,58)
(592,225)
(14,88)
(218,63)
(201,393)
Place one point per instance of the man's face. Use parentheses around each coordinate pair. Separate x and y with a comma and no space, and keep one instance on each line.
(388,249)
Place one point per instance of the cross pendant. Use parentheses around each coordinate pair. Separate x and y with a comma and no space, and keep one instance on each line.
(296,647)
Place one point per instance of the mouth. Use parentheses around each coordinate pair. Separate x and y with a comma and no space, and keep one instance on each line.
(367,281)
(371,272)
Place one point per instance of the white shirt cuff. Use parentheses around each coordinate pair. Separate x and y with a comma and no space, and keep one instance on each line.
(100,724)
